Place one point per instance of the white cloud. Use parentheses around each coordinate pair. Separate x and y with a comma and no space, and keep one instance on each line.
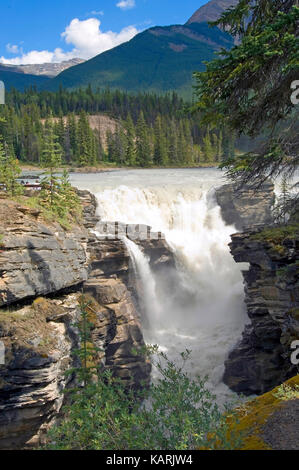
(126,4)
(86,37)
(89,40)
(95,13)
(12,48)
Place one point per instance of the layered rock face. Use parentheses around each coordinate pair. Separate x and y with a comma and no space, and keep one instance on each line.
(246,207)
(38,341)
(39,333)
(262,359)
(36,258)
(118,328)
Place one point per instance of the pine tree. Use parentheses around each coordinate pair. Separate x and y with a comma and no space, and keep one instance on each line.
(9,171)
(84,140)
(51,160)
(160,144)
(182,144)
(73,135)
(130,150)
(207,147)
(143,145)
(173,143)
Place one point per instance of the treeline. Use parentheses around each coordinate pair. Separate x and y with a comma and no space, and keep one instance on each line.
(149,130)
(117,104)
(168,141)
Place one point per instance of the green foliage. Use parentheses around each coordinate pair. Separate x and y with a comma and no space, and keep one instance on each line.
(175,413)
(179,413)
(284,392)
(248,88)
(276,235)
(144,156)
(87,353)
(9,171)
(171,135)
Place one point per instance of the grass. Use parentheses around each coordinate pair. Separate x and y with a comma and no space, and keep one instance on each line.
(66,221)
(285,392)
(277,234)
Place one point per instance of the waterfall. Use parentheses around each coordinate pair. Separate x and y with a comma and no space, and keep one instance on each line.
(205,312)
(148,293)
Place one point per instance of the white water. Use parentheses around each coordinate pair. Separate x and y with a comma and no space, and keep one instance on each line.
(204,310)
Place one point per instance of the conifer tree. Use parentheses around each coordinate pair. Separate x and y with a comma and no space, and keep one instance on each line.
(160,145)
(173,143)
(9,171)
(51,160)
(84,140)
(207,147)
(143,145)
(130,149)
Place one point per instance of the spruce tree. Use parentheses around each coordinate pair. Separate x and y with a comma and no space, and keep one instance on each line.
(143,145)
(9,171)
(51,160)
(173,143)
(130,149)
(207,147)
(84,141)
(160,144)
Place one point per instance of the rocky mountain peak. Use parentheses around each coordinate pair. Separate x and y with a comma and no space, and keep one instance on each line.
(211,11)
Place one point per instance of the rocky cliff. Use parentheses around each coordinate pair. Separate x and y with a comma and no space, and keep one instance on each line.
(245,207)
(262,359)
(44,270)
(34,255)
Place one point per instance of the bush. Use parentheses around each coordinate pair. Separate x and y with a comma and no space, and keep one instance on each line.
(175,413)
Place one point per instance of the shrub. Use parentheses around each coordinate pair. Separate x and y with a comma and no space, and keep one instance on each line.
(175,413)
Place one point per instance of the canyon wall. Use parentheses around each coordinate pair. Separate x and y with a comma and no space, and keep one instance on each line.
(246,206)
(262,359)
(44,270)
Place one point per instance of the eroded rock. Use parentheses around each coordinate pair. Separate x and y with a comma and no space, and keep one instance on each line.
(245,207)
(262,359)
(35,258)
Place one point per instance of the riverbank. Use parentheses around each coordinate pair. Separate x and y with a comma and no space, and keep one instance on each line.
(104,168)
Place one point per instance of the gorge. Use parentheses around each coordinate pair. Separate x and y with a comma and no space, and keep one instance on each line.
(177,286)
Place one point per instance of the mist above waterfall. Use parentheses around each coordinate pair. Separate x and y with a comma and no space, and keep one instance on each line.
(204,310)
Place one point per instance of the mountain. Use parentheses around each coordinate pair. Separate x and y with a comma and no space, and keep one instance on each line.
(211,11)
(159,59)
(20,81)
(47,69)
(23,76)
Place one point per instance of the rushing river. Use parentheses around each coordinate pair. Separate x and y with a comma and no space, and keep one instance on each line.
(206,313)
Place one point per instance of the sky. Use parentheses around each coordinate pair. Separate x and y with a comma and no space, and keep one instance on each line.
(35,32)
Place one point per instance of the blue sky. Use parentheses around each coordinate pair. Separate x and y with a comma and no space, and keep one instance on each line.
(36,32)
